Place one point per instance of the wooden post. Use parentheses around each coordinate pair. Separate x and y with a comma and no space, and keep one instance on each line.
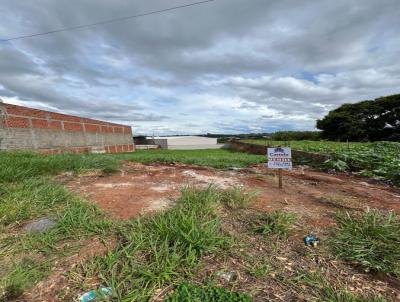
(280,178)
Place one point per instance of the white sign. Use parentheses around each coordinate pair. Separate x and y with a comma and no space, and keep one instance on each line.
(279,158)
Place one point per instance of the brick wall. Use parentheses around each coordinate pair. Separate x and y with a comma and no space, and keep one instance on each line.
(23,128)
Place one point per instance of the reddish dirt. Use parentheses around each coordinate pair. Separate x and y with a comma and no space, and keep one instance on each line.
(315,195)
(145,188)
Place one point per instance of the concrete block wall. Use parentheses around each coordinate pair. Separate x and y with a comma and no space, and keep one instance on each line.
(23,128)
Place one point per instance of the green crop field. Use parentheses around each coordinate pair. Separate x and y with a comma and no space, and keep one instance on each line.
(379,159)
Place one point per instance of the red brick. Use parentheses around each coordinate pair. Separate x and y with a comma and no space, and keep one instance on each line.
(50,151)
(18,110)
(64,117)
(55,125)
(106,129)
(112,149)
(81,150)
(17,122)
(130,147)
(91,128)
(127,130)
(118,130)
(72,126)
(38,123)
(120,148)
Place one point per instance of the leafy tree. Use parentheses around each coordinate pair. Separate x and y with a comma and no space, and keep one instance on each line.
(373,120)
(296,135)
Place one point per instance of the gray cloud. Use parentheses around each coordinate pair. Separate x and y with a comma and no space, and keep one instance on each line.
(257,64)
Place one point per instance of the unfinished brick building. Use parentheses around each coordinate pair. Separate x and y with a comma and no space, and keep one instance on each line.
(23,128)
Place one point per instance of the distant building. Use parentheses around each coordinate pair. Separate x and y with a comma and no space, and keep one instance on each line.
(23,128)
(185,142)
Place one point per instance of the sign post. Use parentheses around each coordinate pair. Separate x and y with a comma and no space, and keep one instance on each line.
(279,158)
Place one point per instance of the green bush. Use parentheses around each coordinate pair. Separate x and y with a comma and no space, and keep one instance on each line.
(335,164)
(192,293)
(371,240)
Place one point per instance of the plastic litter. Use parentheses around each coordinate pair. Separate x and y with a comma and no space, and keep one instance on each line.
(311,240)
(93,294)
(227,276)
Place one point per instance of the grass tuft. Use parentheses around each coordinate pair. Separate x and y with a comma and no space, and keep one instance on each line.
(162,249)
(236,198)
(186,292)
(23,275)
(277,223)
(370,239)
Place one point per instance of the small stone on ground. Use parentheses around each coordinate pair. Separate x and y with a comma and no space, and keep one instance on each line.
(40,225)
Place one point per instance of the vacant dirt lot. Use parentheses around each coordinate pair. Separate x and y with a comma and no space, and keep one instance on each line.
(268,271)
(313,195)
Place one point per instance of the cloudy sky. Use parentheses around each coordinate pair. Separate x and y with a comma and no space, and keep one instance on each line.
(228,66)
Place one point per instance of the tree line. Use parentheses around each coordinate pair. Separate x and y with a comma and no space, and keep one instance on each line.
(371,120)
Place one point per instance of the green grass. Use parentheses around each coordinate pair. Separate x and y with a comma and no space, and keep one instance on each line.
(30,198)
(163,249)
(259,268)
(379,159)
(371,240)
(36,198)
(186,292)
(218,158)
(151,253)
(17,166)
(237,198)
(277,223)
(27,192)
(23,275)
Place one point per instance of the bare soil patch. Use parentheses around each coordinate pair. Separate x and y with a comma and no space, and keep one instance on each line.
(265,269)
(140,188)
